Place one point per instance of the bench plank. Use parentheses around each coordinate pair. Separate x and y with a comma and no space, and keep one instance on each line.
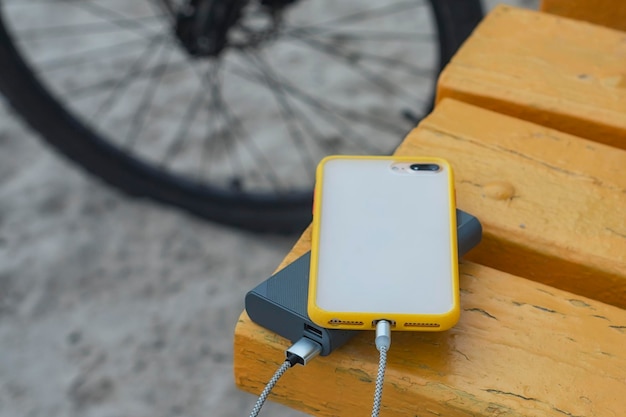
(552,205)
(609,13)
(557,72)
(501,359)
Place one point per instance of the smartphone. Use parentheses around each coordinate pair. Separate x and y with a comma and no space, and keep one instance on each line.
(384,244)
(280,302)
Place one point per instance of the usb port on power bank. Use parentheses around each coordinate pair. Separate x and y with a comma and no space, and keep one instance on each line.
(313,330)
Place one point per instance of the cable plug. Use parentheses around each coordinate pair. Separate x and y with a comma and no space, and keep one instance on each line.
(300,352)
(383,334)
(383,342)
(303,351)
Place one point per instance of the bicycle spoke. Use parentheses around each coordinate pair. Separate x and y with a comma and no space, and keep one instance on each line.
(210,141)
(220,135)
(338,37)
(327,114)
(317,135)
(331,114)
(392,62)
(163,5)
(163,8)
(80,29)
(364,35)
(146,102)
(113,17)
(375,79)
(373,121)
(74,59)
(195,104)
(250,146)
(177,144)
(316,103)
(295,134)
(368,14)
(88,90)
(131,75)
(237,125)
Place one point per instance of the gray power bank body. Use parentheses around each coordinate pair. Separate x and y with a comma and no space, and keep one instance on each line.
(280,302)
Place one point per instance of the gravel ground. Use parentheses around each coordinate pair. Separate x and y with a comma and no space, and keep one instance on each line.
(111,306)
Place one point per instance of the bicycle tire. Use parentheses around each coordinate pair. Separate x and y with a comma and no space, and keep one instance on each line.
(260,213)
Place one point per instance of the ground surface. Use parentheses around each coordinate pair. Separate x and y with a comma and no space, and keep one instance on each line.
(111,306)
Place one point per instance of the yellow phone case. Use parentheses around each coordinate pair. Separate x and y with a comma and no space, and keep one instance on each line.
(384,244)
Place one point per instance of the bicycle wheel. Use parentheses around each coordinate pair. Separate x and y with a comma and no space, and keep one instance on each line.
(224,107)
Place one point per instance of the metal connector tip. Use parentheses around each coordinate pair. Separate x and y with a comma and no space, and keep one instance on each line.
(383,334)
(303,351)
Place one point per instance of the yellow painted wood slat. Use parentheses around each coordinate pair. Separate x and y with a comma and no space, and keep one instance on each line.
(557,72)
(609,13)
(552,205)
(521,349)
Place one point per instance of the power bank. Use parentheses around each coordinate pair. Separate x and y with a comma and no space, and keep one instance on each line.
(280,302)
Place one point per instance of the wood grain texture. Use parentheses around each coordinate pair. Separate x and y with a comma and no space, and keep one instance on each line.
(520,349)
(609,13)
(552,205)
(557,72)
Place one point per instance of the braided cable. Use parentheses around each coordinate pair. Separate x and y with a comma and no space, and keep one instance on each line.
(266,392)
(380,377)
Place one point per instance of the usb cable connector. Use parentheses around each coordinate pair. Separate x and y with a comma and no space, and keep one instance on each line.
(301,353)
(383,342)
(383,334)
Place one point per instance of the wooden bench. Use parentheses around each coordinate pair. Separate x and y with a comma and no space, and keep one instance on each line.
(609,13)
(543,325)
(556,72)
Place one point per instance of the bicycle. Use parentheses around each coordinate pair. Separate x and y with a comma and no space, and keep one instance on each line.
(220,123)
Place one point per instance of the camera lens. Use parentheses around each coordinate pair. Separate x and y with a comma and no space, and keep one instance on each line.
(424,167)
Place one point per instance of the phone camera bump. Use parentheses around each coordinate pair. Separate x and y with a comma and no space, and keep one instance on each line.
(425,167)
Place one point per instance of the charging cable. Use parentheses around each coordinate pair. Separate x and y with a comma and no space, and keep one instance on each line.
(301,353)
(305,349)
(383,341)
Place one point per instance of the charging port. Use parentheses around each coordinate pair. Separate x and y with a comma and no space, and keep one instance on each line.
(392,323)
(313,330)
